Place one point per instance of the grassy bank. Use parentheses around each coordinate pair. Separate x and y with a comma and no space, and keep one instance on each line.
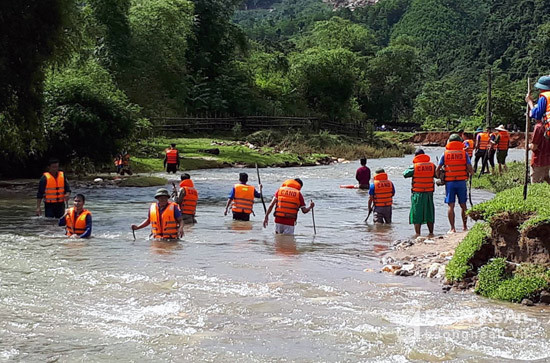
(266,148)
(498,183)
(507,255)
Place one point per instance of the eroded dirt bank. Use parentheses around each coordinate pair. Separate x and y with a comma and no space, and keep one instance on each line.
(439,138)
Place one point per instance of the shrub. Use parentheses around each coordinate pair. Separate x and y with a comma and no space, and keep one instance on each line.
(511,201)
(490,277)
(499,183)
(459,265)
(86,115)
(518,288)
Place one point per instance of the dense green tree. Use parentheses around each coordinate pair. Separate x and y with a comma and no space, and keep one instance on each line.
(326,79)
(33,34)
(160,32)
(339,33)
(392,82)
(86,115)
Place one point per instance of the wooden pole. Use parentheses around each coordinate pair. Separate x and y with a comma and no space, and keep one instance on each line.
(527,126)
(488,118)
(261,193)
(313,218)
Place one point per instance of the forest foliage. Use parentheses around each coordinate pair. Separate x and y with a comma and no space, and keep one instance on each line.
(80,78)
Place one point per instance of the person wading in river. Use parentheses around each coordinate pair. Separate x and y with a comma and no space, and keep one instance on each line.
(288,200)
(242,196)
(381,194)
(540,141)
(77,220)
(165,218)
(54,188)
(422,173)
(172,159)
(458,167)
(362,175)
(187,199)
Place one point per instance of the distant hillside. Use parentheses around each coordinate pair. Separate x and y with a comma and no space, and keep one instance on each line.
(350,4)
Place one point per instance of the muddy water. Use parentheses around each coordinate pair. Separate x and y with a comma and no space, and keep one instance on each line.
(234,292)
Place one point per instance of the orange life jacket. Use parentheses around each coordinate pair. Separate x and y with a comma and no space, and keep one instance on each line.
(455,162)
(470,148)
(483,141)
(292,183)
(171,156)
(243,200)
(165,225)
(288,200)
(189,202)
(126,160)
(118,161)
(76,226)
(546,116)
(423,177)
(383,190)
(503,141)
(55,188)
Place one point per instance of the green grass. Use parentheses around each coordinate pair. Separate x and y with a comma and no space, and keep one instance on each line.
(394,137)
(272,149)
(526,281)
(499,183)
(142,181)
(459,265)
(511,201)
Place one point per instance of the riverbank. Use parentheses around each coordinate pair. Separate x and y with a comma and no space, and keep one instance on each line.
(266,149)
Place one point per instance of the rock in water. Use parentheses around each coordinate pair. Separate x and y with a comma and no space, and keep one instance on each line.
(98,180)
(433,270)
(545,297)
(391,268)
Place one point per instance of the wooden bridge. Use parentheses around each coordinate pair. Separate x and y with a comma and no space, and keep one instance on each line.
(251,124)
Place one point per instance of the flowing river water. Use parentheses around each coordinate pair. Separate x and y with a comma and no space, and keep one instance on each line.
(235,292)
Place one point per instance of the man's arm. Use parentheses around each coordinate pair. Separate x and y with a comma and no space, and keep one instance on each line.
(40,195)
(143,224)
(269,209)
(229,200)
(178,158)
(409,172)
(305,209)
(88,232)
(371,200)
(67,187)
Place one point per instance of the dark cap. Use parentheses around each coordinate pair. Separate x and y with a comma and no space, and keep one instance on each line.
(418,152)
(379,171)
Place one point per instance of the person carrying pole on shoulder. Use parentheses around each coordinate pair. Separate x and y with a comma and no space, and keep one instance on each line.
(187,199)
(288,200)
(422,193)
(502,143)
(381,194)
(458,167)
(77,220)
(540,140)
(172,159)
(241,199)
(54,188)
(164,217)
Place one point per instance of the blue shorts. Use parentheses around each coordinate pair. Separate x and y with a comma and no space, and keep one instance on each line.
(454,188)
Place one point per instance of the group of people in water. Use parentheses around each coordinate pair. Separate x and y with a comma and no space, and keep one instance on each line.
(171,211)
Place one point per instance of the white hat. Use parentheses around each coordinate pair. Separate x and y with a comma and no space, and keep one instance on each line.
(500,128)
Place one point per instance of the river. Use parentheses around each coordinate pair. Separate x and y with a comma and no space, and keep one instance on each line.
(234,292)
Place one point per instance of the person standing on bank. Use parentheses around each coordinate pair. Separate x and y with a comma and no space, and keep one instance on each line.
(540,141)
(242,196)
(77,220)
(502,143)
(187,199)
(381,194)
(165,218)
(468,144)
(288,200)
(172,159)
(422,193)
(458,167)
(362,175)
(54,188)
(481,147)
